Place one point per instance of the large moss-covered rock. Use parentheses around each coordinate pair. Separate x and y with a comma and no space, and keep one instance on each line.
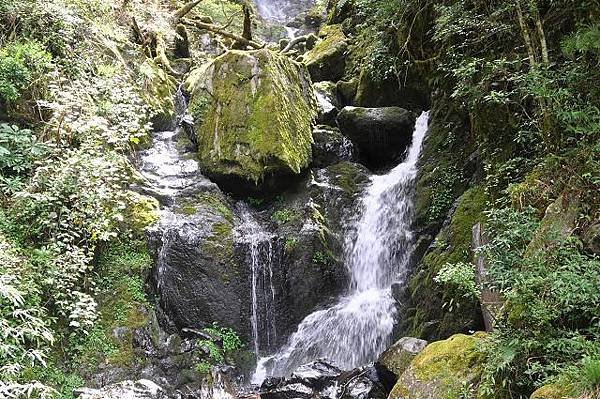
(326,61)
(551,391)
(441,369)
(253,112)
(381,134)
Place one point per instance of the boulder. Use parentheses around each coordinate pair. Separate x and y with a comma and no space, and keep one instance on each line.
(377,92)
(196,276)
(331,147)
(442,367)
(396,359)
(381,134)
(591,237)
(327,102)
(551,391)
(327,59)
(253,112)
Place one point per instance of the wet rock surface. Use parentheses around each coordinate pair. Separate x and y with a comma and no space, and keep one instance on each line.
(396,359)
(321,379)
(330,147)
(381,134)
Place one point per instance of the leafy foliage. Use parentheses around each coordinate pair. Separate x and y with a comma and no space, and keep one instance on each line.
(219,348)
(21,65)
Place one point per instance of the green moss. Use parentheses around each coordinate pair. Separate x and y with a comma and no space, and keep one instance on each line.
(442,369)
(143,211)
(220,244)
(257,119)
(449,360)
(213,200)
(334,41)
(283,216)
(552,391)
(452,245)
(347,176)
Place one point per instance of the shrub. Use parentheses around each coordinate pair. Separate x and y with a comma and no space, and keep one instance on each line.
(21,65)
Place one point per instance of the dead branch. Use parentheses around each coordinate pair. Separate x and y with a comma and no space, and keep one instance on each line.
(220,31)
(183,11)
(294,42)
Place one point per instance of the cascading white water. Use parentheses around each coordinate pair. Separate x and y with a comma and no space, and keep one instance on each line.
(261,258)
(359,326)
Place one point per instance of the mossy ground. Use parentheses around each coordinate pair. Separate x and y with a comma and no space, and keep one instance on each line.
(122,268)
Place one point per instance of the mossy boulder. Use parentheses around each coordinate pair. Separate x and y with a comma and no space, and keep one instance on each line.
(143,211)
(381,134)
(253,112)
(442,369)
(551,391)
(327,59)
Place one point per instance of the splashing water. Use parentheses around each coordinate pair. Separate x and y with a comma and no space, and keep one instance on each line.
(359,326)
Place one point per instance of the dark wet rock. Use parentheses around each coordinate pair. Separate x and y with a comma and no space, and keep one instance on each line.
(321,379)
(140,389)
(331,147)
(347,91)
(392,363)
(372,92)
(381,134)
(309,221)
(196,277)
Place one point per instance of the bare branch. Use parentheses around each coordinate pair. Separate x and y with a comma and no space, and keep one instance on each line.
(183,11)
(220,31)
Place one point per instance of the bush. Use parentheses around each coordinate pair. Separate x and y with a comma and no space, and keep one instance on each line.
(22,64)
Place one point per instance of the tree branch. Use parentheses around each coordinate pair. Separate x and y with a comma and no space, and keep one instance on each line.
(220,31)
(183,11)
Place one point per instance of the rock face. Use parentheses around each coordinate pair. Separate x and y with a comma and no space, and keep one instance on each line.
(331,147)
(326,61)
(442,367)
(196,276)
(309,222)
(253,112)
(381,134)
(396,359)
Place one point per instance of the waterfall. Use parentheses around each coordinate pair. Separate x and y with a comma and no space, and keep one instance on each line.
(261,257)
(359,326)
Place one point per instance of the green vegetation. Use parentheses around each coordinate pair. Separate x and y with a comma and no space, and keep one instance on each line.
(222,345)
(283,216)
